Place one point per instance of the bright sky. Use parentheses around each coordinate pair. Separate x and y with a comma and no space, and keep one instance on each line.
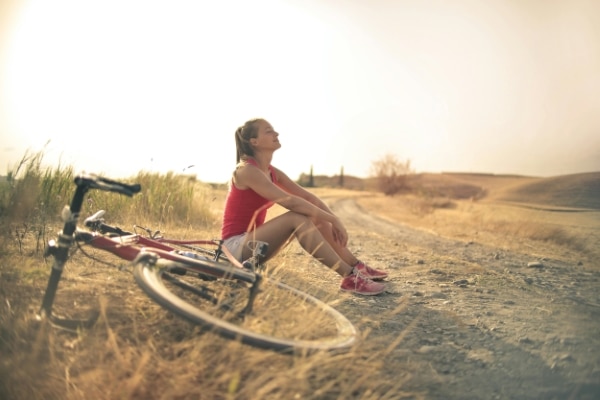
(119,86)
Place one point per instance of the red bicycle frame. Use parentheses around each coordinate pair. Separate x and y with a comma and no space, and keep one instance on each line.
(129,247)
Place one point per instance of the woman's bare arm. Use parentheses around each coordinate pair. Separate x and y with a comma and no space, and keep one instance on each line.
(290,196)
(293,188)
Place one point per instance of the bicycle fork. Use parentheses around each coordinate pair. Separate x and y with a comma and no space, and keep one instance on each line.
(60,251)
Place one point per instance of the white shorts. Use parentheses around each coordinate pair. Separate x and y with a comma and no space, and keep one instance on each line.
(235,245)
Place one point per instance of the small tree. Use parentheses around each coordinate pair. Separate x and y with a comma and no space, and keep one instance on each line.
(391,174)
(341,181)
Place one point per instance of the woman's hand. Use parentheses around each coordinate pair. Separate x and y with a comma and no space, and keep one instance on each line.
(339,233)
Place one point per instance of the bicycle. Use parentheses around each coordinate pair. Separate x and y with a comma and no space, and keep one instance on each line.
(199,281)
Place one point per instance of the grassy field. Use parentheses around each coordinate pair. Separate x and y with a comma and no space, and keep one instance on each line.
(138,351)
(135,350)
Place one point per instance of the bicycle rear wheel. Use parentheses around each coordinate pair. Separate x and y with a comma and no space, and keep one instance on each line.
(282,318)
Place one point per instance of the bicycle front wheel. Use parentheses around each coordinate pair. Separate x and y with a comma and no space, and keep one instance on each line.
(282,318)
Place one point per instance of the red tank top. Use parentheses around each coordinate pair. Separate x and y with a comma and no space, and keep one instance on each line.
(245,210)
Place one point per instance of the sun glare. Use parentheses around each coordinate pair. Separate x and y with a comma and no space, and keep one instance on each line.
(126,74)
(162,85)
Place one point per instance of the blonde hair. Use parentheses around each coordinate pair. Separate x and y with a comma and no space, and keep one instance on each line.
(243,134)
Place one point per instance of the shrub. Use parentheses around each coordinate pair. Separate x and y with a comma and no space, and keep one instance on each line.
(391,174)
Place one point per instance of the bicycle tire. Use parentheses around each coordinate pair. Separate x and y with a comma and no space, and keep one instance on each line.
(152,275)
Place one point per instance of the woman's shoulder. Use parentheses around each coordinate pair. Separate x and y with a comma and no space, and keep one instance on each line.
(245,171)
(245,165)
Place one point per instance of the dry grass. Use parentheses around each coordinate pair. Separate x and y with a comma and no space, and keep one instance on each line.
(492,220)
(139,351)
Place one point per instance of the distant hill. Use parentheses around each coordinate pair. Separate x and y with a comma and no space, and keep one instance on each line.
(567,191)
(571,191)
(456,185)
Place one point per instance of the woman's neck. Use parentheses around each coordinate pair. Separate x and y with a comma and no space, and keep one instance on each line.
(263,160)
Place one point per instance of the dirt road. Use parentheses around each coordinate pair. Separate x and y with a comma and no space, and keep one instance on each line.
(477,322)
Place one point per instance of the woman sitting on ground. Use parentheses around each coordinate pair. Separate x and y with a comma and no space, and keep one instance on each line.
(256,185)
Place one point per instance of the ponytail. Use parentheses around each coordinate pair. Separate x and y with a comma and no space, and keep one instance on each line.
(243,134)
(239,145)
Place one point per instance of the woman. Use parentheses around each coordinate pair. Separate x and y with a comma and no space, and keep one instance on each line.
(256,185)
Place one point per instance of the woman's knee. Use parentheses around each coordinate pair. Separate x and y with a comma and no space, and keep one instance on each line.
(299,222)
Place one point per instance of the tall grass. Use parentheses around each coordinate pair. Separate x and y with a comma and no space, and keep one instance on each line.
(173,199)
(33,195)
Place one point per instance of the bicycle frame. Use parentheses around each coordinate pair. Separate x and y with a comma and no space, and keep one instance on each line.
(96,223)
(130,246)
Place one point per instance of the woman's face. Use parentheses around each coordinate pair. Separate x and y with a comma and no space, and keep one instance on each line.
(267,138)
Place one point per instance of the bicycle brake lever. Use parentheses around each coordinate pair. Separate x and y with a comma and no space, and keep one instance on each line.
(97,217)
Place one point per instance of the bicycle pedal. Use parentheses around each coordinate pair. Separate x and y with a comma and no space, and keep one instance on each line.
(248,265)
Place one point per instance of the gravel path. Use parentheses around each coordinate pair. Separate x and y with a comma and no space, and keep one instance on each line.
(473,321)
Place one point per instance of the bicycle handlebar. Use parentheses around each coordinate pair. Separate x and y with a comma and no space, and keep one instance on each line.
(97,182)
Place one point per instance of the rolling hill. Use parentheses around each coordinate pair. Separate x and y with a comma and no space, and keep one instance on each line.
(575,191)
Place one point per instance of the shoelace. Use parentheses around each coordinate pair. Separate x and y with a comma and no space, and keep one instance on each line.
(356,272)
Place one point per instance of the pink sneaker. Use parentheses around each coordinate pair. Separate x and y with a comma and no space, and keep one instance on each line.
(361,285)
(371,273)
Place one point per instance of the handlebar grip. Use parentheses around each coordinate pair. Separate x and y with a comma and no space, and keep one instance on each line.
(98,182)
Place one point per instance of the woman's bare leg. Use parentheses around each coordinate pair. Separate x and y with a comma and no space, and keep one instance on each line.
(345,254)
(280,229)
